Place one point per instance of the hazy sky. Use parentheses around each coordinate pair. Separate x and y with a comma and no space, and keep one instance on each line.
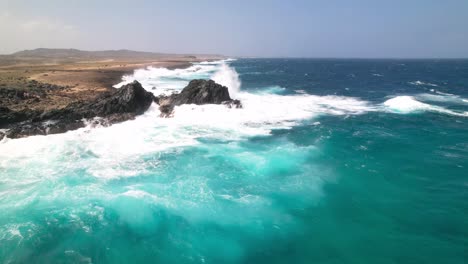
(278,28)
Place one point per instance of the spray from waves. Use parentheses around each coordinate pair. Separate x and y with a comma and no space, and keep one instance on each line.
(405,104)
(408,104)
(162,81)
(228,77)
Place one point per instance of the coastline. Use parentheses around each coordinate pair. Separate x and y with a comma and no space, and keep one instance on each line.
(51,86)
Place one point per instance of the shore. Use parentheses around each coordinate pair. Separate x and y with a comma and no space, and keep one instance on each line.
(51,85)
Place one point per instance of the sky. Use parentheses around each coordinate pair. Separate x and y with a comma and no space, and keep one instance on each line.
(260,28)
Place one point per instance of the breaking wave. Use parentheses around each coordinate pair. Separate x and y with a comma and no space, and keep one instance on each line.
(408,104)
(441,97)
(261,113)
(228,77)
(208,185)
(263,110)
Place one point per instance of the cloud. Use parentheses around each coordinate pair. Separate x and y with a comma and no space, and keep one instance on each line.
(20,33)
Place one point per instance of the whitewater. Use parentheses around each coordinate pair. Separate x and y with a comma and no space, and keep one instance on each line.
(213,183)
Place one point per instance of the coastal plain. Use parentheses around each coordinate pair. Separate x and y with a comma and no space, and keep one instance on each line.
(46,79)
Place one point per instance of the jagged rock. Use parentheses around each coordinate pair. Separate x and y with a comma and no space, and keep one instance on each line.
(124,104)
(7,116)
(233,104)
(127,102)
(197,92)
(202,92)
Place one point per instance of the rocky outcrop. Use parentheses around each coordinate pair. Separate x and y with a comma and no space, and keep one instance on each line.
(197,92)
(8,116)
(131,98)
(202,92)
(127,102)
(123,104)
(32,91)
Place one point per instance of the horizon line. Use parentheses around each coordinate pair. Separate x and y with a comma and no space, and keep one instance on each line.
(257,57)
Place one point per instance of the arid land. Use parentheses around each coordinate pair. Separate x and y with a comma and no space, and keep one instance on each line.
(45,79)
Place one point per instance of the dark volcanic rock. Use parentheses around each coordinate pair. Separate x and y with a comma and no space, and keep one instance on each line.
(197,92)
(35,90)
(131,98)
(202,92)
(127,102)
(124,104)
(8,116)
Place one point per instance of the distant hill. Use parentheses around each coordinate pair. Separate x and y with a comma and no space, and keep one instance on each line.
(82,54)
(59,56)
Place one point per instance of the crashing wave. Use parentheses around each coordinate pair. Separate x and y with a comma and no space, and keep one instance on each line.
(408,104)
(228,77)
(261,113)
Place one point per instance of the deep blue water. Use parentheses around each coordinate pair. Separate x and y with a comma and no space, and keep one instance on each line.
(330,161)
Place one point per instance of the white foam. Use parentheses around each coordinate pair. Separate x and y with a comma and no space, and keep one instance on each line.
(405,104)
(216,62)
(115,150)
(164,81)
(300,91)
(137,193)
(418,83)
(262,112)
(442,93)
(441,97)
(408,104)
(228,77)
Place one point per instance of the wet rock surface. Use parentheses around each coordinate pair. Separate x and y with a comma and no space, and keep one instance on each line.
(197,92)
(124,104)
(112,107)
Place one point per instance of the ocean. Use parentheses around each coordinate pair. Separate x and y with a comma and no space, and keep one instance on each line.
(328,161)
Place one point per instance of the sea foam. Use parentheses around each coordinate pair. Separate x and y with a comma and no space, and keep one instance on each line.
(118,147)
(408,104)
(420,83)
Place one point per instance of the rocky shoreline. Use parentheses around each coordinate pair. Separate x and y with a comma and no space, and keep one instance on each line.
(113,107)
(197,92)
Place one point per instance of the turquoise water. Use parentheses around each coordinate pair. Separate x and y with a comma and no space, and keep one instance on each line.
(330,161)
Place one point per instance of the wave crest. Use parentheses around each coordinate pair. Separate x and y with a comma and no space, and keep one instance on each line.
(408,104)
